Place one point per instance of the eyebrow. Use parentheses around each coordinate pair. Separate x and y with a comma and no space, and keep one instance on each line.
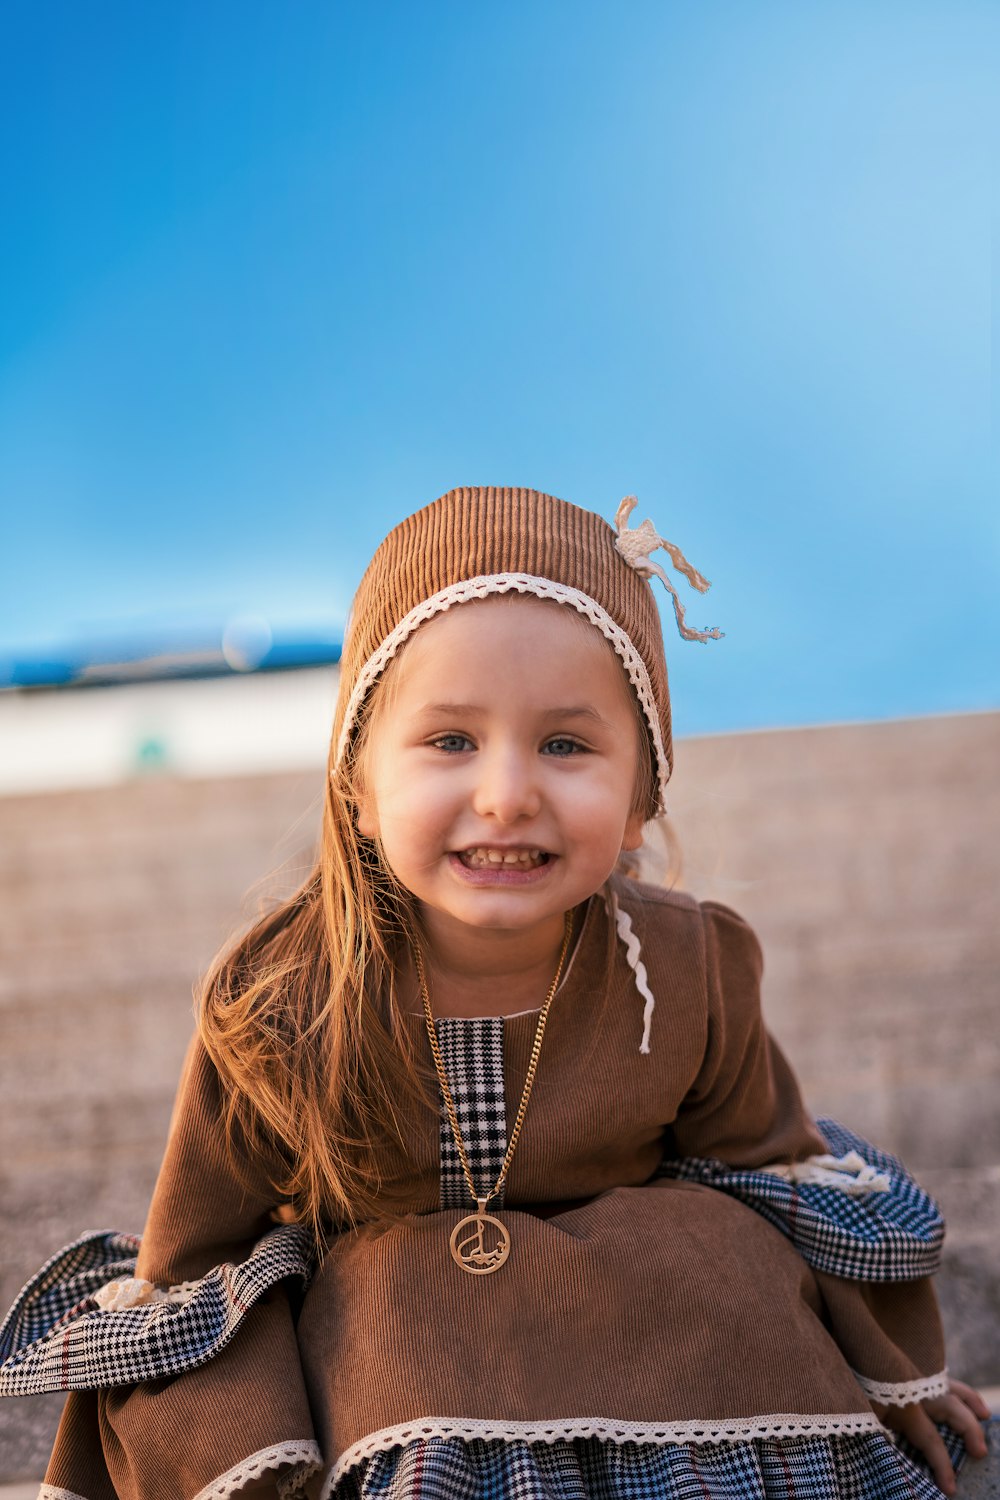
(571,711)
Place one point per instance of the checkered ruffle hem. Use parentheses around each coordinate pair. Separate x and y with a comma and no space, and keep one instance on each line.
(862,1466)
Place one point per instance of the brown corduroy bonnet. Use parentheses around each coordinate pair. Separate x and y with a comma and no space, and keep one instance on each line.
(476,542)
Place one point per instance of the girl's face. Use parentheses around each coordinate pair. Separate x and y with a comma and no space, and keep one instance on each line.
(500,771)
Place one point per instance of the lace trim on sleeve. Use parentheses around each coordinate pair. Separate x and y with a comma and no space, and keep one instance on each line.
(303,1453)
(903,1392)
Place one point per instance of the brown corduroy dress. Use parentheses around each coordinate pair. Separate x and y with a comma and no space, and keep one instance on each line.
(633,1307)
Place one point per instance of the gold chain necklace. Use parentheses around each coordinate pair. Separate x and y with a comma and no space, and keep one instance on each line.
(480,1243)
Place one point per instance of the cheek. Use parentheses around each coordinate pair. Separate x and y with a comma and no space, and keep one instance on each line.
(598,806)
(414,806)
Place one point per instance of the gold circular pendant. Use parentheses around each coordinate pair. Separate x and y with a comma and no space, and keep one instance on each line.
(480,1244)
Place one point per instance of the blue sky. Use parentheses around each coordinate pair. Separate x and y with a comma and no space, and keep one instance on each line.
(274,275)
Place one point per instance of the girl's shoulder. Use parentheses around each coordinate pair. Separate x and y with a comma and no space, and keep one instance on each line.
(704,954)
(667,910)
(653,903)
(649,894)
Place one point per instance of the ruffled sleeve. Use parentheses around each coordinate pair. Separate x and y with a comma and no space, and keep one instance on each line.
(870,1234)
(853,1212)
(223,1405)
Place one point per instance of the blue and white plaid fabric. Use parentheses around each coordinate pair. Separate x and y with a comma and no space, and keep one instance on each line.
(472,1051)
(888,1236)
(56,1337)
(849,1467)
(65,1286)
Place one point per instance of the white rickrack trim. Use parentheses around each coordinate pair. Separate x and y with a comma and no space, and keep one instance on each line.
(623,924)
(522,583)
(302,1452)
(606,1429)
(52,1492)
(849,1174)
(903,1392)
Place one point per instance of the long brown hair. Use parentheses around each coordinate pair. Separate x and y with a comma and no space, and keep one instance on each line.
(300,1016)
(302,1020)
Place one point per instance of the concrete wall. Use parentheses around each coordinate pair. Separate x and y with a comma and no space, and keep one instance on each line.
(865,855)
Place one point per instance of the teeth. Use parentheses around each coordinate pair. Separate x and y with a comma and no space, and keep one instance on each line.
(526,859)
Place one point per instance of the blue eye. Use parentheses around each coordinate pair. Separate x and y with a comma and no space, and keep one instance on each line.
(562,747)
(452,744)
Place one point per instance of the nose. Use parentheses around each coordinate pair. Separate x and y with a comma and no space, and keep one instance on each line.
(506,787)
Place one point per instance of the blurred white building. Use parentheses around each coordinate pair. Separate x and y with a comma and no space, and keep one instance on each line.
(60,738)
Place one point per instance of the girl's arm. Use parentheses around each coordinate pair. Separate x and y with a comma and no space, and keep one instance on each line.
(242,1415)
(213,1200)
(744,1107)
(745,1110)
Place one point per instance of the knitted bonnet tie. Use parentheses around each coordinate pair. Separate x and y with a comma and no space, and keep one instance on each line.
(476,542)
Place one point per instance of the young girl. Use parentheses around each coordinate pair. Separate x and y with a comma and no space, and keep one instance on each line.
(484,1175)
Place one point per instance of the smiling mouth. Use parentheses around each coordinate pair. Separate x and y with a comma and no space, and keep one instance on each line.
(512,859)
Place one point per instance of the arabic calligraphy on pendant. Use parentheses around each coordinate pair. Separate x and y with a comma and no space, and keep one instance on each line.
(480,1244)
